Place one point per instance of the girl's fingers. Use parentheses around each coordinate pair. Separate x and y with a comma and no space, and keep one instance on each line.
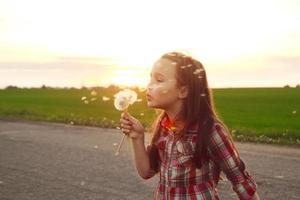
(126,122)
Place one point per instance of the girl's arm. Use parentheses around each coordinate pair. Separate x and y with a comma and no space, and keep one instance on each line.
(222,151)
(141,158)
(134,129)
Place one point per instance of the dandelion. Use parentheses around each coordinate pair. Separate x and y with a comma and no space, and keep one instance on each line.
(104,98)
(83,98)
(294,112)
(93,99)
(93,93)
(86,102)
(197,71)
(123,99)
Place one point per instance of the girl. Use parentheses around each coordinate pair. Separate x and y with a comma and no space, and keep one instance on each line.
(190,145)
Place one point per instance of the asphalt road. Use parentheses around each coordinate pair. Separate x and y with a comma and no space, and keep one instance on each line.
(49,161)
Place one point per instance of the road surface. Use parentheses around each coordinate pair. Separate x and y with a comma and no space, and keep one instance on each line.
(49,161)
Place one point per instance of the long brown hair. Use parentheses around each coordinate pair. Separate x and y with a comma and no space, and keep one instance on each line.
(198,106)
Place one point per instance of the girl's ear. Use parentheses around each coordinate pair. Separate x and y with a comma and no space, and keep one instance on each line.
(183,92)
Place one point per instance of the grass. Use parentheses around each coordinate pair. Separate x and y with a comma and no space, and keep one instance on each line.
(268,115)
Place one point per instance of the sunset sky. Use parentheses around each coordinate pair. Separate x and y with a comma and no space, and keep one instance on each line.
(88,43)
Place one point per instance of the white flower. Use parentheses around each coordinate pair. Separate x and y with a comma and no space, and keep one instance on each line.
(124,98)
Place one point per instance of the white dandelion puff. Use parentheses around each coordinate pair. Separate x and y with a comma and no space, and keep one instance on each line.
(294,112)
(124,98)
(93,93)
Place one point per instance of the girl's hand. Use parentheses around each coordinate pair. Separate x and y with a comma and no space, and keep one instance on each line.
(131,126)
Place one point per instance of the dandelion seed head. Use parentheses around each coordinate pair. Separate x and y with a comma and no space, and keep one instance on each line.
(124,98)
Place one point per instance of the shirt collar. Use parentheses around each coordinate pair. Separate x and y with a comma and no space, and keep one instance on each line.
(169,125)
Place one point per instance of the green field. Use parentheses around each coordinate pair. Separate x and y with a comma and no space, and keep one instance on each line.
(270,115)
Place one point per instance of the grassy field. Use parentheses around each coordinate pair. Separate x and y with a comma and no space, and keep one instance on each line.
(270,115)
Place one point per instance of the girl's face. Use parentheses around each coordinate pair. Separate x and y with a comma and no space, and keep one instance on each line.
(162,90)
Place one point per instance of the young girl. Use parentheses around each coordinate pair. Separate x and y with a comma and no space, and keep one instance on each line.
(190,145)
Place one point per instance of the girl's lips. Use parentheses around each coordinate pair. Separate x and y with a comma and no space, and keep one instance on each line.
(149,96)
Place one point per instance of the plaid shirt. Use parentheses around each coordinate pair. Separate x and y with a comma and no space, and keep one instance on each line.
(181,180)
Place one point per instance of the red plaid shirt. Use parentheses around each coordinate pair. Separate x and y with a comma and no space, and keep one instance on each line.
(179,177)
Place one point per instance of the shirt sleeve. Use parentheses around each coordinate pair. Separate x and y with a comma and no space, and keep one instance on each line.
(223,152)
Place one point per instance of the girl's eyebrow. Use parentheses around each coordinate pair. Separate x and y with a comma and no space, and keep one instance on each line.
(157,73)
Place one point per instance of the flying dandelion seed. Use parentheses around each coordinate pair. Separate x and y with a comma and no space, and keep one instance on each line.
(197,71)
(104,98)
(165,91)
(115,144)
(118,128)
(1,182)
(86,102)
(189,65)
(93,93)
(139,100)
(202,95)
(82,183)
(142,114)
(200,77)
(96,146)
(182,67)
(171,54)
(93,99)
(104,118)
(280,177)
(294,112)
(83,98)
(174,63)
(71,122)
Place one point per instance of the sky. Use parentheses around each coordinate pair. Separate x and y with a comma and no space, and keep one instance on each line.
(64,43)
